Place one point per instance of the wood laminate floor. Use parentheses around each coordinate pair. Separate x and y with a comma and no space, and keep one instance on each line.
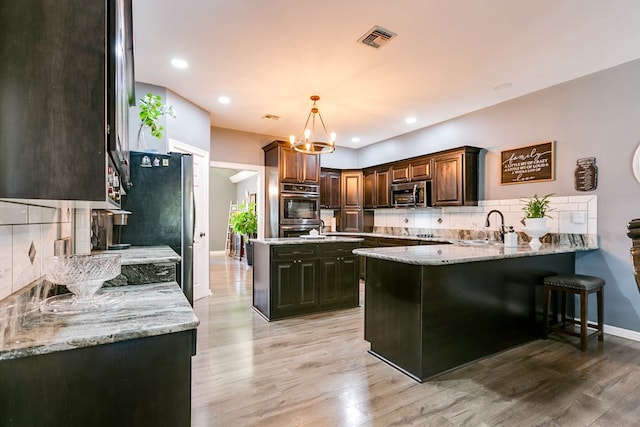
(315,371)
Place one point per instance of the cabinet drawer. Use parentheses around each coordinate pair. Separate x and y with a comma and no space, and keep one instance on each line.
(294,251)
(341,250)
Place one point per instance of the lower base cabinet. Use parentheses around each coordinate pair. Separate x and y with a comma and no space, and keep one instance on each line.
(297,279)
(139,382)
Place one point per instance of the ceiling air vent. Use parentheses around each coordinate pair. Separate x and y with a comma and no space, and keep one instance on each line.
(376,37)
(271,117)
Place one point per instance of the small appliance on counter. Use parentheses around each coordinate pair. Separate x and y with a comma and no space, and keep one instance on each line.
(106,229)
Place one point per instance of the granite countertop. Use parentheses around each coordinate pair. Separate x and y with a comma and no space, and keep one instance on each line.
(323,238)
(145,310)
(145,255)
(426,237)
(462,252)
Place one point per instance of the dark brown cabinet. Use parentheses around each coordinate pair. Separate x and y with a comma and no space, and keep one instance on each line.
(58,85)
(421,169)
(330,189)
(298,167)
(455,177)
(338,285)
(351,218)
(400,172)
(291,280)
(377,188)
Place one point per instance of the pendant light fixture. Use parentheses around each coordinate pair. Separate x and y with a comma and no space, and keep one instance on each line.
(311,142)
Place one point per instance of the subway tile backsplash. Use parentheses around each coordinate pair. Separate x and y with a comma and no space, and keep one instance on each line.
(27,235)
(570,215)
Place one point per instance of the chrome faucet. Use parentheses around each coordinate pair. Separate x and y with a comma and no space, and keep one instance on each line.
(488,224)
(321,226)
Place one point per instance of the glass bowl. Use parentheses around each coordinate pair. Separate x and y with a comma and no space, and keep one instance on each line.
(83,275)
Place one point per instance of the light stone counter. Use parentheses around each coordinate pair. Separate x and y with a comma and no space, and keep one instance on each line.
(145,255)
(303,240)
(145,311)
(462,252)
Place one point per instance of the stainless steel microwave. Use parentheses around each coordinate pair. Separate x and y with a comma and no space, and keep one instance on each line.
(411,194)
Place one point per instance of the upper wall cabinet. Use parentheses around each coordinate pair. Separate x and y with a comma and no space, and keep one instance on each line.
(298,167)
(330,189)
(455,177)
(58,84)
(377,187)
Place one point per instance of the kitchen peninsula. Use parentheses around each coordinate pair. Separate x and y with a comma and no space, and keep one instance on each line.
(295,276)
(429,309)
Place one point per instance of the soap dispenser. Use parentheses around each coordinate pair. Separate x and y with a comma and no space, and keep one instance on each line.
(511,238)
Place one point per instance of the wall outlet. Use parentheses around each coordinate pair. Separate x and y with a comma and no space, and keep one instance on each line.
(579,218)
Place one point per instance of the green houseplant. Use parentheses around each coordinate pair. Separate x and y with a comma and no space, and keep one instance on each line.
(151,109)
(245,222)
(537,207)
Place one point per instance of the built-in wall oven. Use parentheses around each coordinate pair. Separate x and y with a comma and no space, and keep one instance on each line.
(299,208)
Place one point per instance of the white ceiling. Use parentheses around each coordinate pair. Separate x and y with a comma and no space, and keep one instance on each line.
(269,56)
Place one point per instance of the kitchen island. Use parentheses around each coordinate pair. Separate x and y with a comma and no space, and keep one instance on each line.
(296,276)
(429,309)
(127,364)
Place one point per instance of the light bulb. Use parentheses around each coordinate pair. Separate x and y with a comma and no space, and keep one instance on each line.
(292,140)
(333,137)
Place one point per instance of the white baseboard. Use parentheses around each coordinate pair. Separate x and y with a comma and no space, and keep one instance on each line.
(217,253)
(622,333)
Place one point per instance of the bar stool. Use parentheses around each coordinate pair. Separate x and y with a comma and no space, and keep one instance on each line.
(574,284)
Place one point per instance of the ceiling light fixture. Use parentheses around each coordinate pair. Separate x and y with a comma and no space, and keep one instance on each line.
(179,63)
(224,99)
(410,120)
(309,143)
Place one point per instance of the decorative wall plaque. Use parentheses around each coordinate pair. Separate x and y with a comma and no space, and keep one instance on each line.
(586,174)
(532,163)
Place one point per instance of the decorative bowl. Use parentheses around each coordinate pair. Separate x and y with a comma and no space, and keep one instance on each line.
(83,275)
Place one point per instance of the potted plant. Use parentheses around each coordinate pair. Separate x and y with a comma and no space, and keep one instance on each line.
(535,210)
(151,109)
(245,222)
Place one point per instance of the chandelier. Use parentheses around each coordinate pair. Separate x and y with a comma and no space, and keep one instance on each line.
(311,142)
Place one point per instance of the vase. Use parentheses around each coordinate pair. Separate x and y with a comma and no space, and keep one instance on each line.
(535,228)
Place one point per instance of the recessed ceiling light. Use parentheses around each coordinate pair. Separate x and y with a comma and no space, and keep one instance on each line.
(179,63)
(355,139)
(224,99)
(502,86)
(410,120)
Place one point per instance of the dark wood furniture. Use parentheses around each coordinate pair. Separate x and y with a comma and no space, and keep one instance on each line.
(141,382)
(295,167)
(570,285)
(455,177)
(295,279)
(330,188)
(351,216)
(59,93)
(377,187)
(428,319)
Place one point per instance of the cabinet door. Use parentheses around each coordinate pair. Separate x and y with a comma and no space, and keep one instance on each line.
(447,180)
(400,173)
(383,189)
(334,190)
(421,170)
(329,190)
(309,168)
(288,165)
(351,220)
(348,288)
(329,281)
(369,179)
(294,288)
(53,88)
(351,190)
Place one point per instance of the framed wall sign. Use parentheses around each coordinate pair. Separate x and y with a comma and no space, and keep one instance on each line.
(532,163)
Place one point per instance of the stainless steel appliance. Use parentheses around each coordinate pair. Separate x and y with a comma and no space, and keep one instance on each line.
(411,194)
(162,208)
(299,209)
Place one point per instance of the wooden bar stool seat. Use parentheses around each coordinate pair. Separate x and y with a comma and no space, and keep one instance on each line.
(574,284)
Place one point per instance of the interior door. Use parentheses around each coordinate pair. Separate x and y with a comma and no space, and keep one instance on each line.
(201,199)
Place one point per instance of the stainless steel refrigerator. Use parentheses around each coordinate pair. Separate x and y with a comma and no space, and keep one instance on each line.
(162,208)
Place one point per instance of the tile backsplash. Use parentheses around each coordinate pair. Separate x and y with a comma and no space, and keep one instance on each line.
(27,236)
(569,215)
